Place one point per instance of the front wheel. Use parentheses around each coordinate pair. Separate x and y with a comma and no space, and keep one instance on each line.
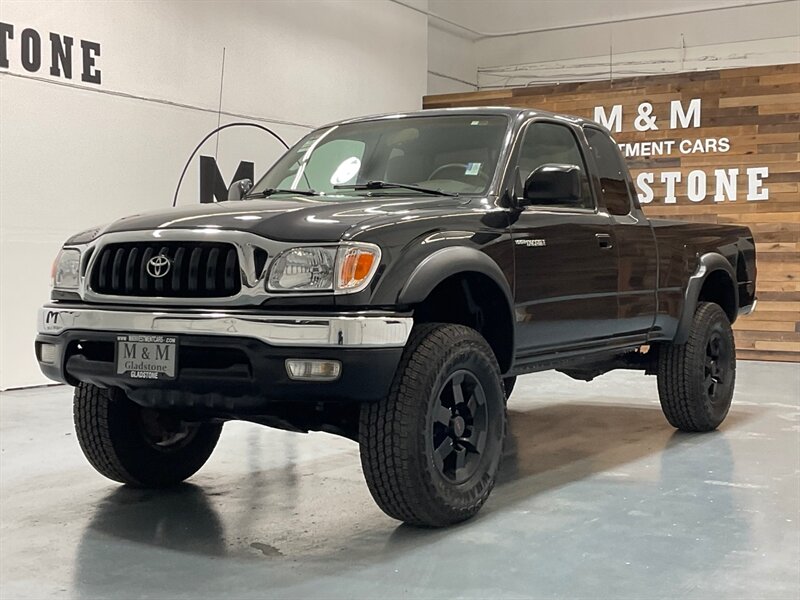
(139,446)
(695,379)
(431,450)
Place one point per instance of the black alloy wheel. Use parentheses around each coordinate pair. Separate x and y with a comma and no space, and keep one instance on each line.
(460,426)
(165,432)
(715,369)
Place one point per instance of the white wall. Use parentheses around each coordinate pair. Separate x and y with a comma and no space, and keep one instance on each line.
(73,156)
(452,63)
(580,40)
(501,17)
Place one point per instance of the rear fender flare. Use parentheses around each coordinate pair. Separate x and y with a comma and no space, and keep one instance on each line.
(708,264)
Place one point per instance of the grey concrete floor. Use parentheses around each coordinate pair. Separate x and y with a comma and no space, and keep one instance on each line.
(599,498)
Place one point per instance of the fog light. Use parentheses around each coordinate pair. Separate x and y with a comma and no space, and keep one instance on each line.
(313,370)
(47,353)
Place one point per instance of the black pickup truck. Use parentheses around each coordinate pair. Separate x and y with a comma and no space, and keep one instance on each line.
(387,280)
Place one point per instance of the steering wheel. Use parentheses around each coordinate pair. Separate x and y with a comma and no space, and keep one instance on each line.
(462,169)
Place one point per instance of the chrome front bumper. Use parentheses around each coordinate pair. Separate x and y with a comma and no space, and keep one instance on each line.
(359,330)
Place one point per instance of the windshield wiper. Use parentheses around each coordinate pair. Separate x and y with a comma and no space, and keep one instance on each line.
(383,185)
(270,191)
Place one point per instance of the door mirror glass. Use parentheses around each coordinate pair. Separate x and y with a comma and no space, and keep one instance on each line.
(239,189)
(554,185)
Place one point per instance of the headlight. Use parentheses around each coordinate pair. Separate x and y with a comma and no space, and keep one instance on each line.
(303,269)
(348,268)
(66,270)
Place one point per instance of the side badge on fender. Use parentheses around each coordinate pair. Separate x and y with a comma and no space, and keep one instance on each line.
(531,243)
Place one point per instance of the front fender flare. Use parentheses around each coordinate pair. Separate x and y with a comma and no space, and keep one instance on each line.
(446,262)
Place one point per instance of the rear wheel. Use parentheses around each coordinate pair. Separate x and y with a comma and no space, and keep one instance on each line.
(696,379)
(135,445)
(430,451)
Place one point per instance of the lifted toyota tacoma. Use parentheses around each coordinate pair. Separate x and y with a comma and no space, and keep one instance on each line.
(387,280)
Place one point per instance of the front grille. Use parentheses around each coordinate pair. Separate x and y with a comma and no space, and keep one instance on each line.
(195,270)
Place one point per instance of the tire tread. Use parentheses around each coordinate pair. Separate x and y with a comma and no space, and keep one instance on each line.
(385,428)
(678,387)
(90,414)
(112,443)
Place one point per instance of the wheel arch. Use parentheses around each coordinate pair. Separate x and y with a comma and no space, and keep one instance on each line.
(443,263)
(464,286)
(713,281)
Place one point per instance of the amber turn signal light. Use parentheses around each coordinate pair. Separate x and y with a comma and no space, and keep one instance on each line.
(356,266)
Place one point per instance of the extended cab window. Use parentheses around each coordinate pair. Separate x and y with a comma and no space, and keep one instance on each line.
(612,171)
(550,143)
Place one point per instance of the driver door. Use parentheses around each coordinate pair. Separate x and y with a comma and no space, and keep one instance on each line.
(565,261)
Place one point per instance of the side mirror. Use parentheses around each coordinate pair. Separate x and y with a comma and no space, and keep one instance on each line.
(553,184)
(239,189)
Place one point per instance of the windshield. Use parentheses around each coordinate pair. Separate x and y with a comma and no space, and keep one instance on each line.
(456,154)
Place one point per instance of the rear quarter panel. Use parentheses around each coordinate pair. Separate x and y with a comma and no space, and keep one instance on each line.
(680,246)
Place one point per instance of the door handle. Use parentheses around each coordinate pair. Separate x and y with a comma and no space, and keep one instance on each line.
(604,241)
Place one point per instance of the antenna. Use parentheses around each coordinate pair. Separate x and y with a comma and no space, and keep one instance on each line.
(219,109)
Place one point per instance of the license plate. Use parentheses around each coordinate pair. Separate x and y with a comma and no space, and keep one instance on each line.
(147,356)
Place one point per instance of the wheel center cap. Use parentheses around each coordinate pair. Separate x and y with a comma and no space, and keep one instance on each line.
(459,426)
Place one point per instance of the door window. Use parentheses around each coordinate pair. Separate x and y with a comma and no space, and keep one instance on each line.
(546,143)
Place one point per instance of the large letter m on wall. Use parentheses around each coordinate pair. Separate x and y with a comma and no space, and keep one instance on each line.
(212,186)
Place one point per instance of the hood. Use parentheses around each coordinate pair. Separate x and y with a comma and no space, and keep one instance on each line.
(290,219)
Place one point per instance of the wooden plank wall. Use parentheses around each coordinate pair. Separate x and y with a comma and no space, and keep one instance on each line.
(756,109)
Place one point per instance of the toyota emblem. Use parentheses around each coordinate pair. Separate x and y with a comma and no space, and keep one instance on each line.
(158,266)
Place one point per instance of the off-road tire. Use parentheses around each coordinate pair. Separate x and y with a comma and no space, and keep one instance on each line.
(112,436)
(687,373)
(397,435)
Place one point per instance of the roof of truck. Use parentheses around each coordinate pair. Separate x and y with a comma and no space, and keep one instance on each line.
(469,110)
